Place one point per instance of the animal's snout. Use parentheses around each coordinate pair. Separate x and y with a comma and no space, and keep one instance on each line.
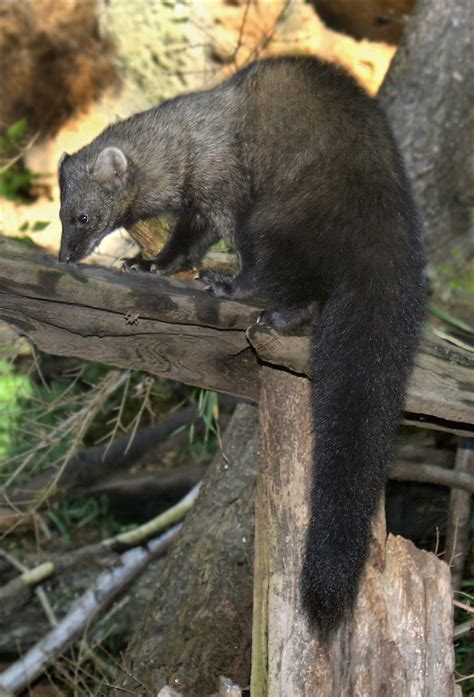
(65,257)
(64,251)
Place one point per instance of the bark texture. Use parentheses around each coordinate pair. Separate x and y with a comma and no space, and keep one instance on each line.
(399,642)
(428,94)
(199,626)
(379,20)
(175,329)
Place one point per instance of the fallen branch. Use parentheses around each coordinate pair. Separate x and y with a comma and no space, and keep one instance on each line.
(425,453)
(83,613)
(459,515)
(151,487)
(432,474)
(91,465)
(464,606)
(463,629)
(17,590)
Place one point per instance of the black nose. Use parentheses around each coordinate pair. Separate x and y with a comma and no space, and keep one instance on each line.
(64,257)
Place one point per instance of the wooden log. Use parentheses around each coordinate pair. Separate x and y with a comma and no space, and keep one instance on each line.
(175,329)
(399,642)
(149,235)
(169,328)
(441,386)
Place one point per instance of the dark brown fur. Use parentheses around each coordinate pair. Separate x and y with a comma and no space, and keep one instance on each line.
(294,163)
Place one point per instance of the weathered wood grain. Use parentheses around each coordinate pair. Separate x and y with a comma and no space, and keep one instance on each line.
(175,329)
(441,389)
(399,642)
(169,328)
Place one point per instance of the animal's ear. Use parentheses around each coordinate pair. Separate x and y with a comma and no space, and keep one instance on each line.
(110,168)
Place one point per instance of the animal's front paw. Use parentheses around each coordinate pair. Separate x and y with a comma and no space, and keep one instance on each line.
(131,264)
(217,284)
(139,264)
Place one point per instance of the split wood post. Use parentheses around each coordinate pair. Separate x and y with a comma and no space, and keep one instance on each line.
(399,642)
(457,537)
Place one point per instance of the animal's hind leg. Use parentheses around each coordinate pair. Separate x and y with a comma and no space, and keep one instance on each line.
(290,320)
(223,286)
(247,283)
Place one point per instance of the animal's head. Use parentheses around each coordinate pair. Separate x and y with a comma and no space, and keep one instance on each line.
(96,193)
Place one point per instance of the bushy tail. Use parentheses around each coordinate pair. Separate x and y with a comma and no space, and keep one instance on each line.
(363,346)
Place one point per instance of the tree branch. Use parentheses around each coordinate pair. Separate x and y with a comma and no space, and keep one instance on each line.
(411,472)
(98,554)
(181,332)
(83,613)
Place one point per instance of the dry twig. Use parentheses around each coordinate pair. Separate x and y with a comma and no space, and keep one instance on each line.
(93,602)
(100,551)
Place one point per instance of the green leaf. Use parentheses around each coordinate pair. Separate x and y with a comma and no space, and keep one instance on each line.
(24,239)
(449,319)
(17,129)
(39,225)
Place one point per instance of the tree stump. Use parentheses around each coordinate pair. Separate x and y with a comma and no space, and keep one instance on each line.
(399,642)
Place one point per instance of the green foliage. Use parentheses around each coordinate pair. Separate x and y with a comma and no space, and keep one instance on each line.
(222,246)
(15,178)
(17,131)
(208,411)
(456,275)
(79,512)
(15,388)
(36,227)
(450,319)
(54,419)
(24,240)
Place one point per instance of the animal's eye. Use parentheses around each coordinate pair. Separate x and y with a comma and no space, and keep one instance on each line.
(83,218)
